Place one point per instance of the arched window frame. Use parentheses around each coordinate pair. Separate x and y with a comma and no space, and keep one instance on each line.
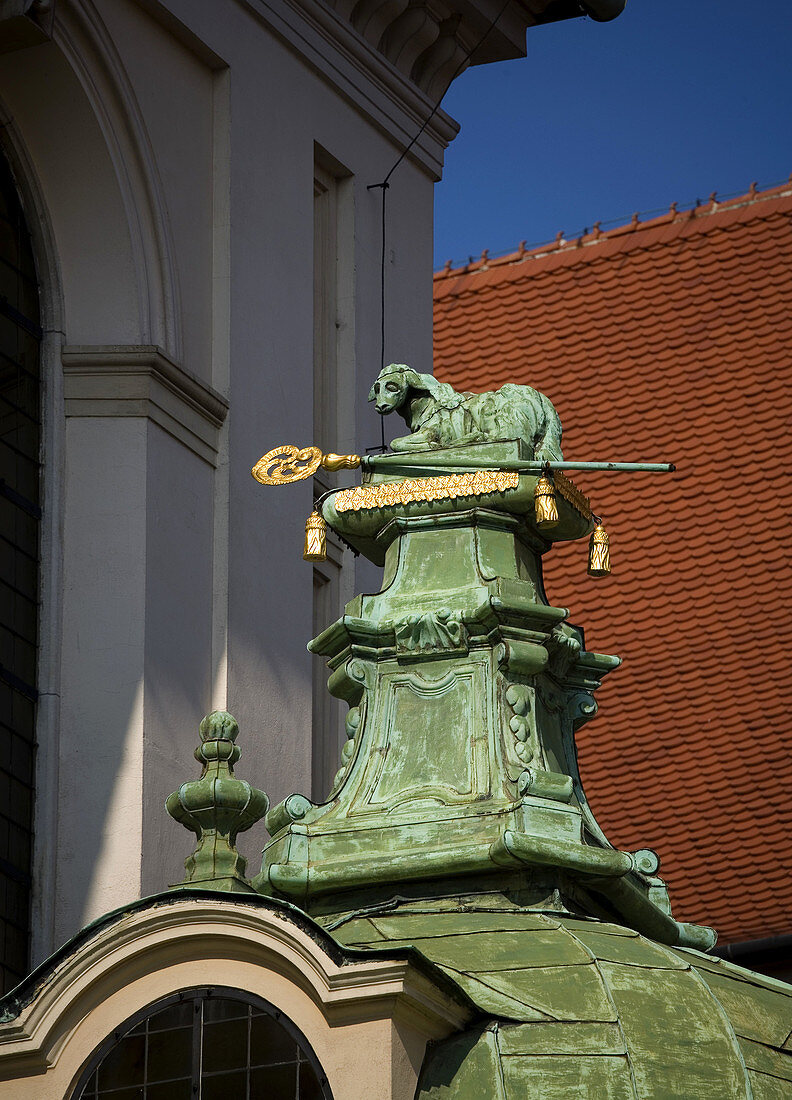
(200,994)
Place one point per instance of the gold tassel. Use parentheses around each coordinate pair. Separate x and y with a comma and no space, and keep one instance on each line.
(599,552)
(315,542)
(545,502)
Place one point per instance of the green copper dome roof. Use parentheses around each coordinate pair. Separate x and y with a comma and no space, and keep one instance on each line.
(457,825)
(582,1008)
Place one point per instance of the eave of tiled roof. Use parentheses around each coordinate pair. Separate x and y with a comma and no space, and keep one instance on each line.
(670,340)
(633,235)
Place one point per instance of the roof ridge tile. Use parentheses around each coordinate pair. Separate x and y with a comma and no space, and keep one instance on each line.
(748,202)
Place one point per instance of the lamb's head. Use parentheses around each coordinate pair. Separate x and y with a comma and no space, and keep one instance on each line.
(392,387)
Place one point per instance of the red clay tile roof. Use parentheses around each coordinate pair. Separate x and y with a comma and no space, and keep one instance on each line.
(671,341)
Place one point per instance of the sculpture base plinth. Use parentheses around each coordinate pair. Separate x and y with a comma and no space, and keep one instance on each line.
(465,689)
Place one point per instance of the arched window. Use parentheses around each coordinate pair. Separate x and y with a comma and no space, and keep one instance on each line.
(205,1044)
(20,512)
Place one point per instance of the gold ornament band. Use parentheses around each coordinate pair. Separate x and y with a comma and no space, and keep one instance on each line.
(449,487)
(570,492)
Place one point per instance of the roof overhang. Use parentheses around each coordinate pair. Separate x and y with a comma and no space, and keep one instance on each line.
(600,10)
(186,939)
(431,45)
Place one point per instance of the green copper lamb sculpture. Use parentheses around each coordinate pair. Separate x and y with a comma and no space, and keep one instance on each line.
(438,416)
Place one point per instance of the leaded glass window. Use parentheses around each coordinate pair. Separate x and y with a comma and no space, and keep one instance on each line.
(20,512)
(205,1044)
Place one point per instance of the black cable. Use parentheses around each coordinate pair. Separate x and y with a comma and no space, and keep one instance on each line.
(385,184)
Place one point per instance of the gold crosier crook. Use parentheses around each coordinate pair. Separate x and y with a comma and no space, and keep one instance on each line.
(289,463)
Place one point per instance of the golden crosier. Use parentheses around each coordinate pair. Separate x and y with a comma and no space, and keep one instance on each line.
(332,461)
(288,463)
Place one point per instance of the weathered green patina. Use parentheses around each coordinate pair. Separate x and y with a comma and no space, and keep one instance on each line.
(465,690)
(216,808)
(457,825)
(438,416)
(576,1007)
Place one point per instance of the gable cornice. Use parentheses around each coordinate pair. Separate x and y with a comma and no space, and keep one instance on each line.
(185,931)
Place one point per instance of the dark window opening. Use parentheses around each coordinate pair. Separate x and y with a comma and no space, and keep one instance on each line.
(205,1044)
(20,385)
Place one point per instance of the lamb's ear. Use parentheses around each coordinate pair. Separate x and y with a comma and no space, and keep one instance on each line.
(426,382)
(415,380)
(441,392)
(371,395)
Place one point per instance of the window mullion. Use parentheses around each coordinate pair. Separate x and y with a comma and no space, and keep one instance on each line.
(197,1046)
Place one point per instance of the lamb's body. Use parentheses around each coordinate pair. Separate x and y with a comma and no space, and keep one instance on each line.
(438,416)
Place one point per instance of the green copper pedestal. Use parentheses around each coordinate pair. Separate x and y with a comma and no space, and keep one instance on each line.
(465,689)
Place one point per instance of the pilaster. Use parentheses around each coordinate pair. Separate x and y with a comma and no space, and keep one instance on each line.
(142,436)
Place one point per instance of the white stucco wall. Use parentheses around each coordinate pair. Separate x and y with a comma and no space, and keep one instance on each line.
(165,155)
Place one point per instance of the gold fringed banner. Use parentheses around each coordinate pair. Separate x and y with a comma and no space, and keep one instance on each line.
(570,492)
(449,487)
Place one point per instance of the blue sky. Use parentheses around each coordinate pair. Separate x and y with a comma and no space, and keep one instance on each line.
(671,101)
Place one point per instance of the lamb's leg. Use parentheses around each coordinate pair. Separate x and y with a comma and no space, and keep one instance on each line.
(462,440)
(418,441)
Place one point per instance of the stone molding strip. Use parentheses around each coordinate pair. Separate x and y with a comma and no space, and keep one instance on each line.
(380,91)
(191,938)
(140,380)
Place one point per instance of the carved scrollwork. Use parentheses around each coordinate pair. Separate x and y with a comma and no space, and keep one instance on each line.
(564,647)
(554,785)
(581,708)
(294,808)
(646,860)
(352,727)
(518,700)
(433,630)
(348,681)
(357,671)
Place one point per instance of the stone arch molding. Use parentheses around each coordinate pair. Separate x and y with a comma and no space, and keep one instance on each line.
(368,1018)
(71,113)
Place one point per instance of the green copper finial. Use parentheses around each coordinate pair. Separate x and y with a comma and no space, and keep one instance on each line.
(216,807)
(459,775)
